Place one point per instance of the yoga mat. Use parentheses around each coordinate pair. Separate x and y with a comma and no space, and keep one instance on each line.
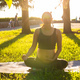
(20,67)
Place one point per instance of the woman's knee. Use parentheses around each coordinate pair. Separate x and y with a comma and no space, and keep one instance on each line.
(65,63)
(29,61)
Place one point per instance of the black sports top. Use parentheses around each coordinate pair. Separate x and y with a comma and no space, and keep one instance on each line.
(47,42)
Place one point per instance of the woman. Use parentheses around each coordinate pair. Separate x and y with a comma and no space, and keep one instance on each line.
(47,56)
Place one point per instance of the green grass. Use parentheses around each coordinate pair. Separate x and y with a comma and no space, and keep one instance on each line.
(13,45)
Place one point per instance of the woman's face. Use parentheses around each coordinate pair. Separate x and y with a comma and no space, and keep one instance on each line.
(47,18)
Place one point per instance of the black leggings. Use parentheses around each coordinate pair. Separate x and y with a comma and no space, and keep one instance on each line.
(37,63)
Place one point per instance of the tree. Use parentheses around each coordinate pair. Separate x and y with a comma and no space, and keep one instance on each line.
(25,16)
(66,17)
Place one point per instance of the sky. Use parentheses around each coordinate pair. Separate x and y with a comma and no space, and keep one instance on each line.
(41,6)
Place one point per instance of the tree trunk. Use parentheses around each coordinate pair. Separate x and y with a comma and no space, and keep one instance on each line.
(25,18)
(66,17)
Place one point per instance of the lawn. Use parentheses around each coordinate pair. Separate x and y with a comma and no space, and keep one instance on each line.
(13,45)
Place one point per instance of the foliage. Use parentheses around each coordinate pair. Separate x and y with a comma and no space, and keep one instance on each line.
(8,19)
(9,2)
(19,18)
(13,45)
(16,3)
(73,19)
(34,18)
(56,75)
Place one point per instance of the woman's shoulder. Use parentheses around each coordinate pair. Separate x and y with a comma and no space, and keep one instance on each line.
(37,30)
(57,31)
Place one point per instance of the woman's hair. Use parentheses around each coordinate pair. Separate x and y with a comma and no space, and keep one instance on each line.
(47,15)
(46,18)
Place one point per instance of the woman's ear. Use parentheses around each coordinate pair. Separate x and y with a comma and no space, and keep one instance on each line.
(52,19)
(41,20)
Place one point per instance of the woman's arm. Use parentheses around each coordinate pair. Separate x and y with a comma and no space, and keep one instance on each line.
(59,43)
(32,48)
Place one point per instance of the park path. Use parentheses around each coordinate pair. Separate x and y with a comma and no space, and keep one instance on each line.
(18,27)
(55,25)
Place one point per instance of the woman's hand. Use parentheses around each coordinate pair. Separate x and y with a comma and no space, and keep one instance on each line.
(24,57)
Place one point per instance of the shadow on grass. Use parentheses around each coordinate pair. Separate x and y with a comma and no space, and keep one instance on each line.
(39,75)
(55,75)
(73,37)
(7,43)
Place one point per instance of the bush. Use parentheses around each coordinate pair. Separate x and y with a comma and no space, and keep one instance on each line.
(19,18)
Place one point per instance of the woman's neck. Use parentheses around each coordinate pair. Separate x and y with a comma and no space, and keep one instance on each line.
(47,26)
